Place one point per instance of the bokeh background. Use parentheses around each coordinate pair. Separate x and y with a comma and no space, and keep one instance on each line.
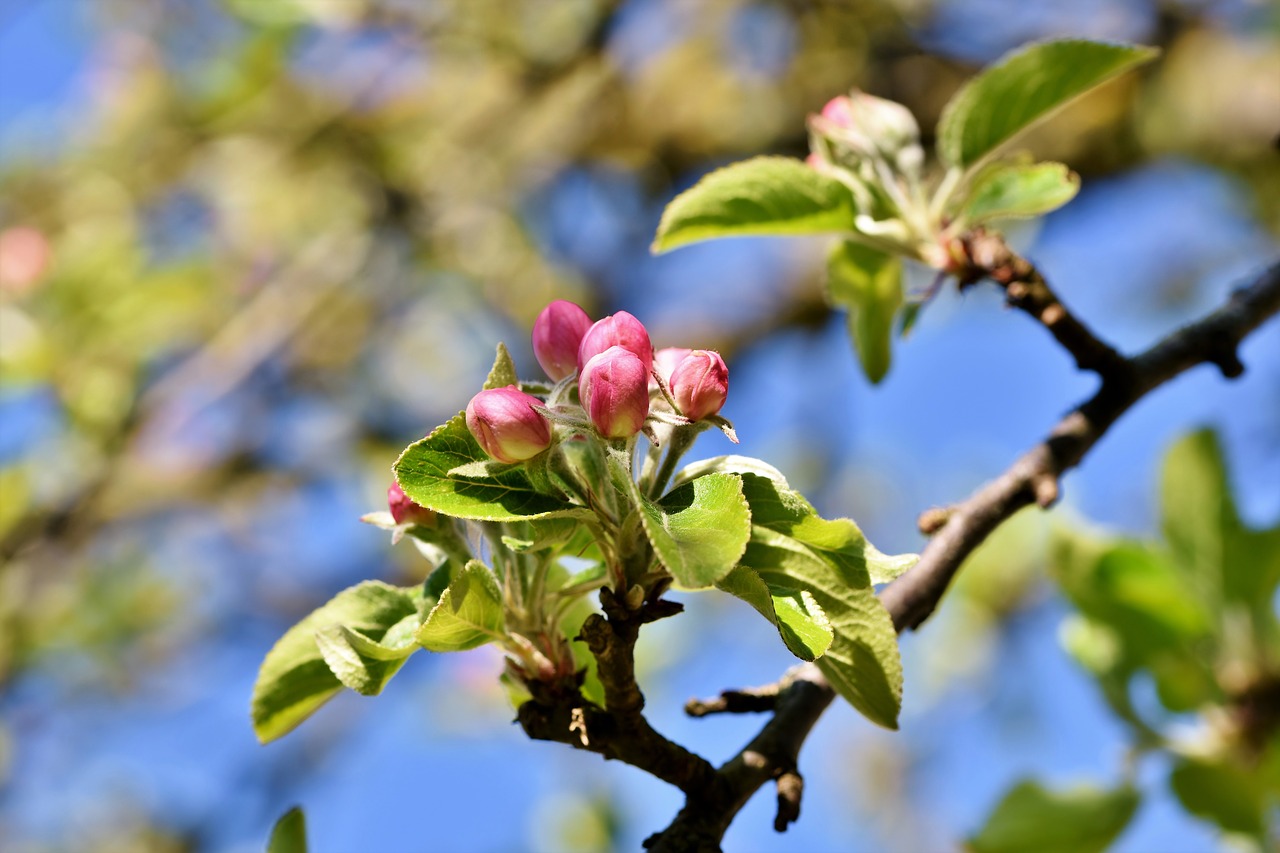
(250,249)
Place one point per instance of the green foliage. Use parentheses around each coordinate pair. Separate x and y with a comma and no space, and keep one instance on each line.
(794,612)
(1221,791)
(434,472)
(1023,88)
(699,530)
(868,284)
(468,614)
(762,196)
(792,547)
(1080,820)
(1018,190)
(289,835)
(295,678)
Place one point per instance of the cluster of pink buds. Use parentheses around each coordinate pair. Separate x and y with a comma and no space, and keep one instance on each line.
(619,378)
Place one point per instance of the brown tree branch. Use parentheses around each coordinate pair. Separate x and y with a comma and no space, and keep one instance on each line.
(803,694)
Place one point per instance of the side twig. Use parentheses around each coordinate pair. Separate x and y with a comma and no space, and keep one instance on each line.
(803,694)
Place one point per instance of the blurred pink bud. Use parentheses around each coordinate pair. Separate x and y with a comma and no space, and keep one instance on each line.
(865,123)
(24,256)
(614,389)
(506,425)
(617,330)
(700,384)
(666,359)
(557,334)
(404,510)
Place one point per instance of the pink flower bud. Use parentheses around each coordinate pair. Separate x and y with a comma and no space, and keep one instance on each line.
(617,330)
(666,359)
(865,124)
(614,389)
(700,384)
(557,334)
(506,425)
(405,511)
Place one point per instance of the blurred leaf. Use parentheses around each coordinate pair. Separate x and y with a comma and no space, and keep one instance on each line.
(1204,530)
(469,613)
(1080,820)
(1011,191)
(295,679)
(1023,88)
(289,835)
(700,529)
(792,547)
(794,612)
(427,473)
(1222,793)
(761,196)
(868,284)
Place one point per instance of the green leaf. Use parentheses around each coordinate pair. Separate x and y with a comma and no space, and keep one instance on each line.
(1081,820)
(429,472)
(699,530)
(503,372)
(761,196)
(1222,793)
(295,678)
(1012,191)
(729,465)
(1024,87)
(468,614)
(289,835)
(363,664)
(792,547)
(868,284)
(800,621)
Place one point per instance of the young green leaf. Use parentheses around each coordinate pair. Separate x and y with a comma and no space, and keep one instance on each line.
(1030,817)
(1024,87)
(796,614)
(868,284)
(363,664)
(503,372)
(792,547)
(1018,190)
(432,472)
(469,613)
(700,529)
(295,679)
(761,196)
(289,835)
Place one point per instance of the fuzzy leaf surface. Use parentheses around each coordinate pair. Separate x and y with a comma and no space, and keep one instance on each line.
(432,472)
(1023,88)
(700,529)
(793,547)
(761,196)
(796,614)
(295,679)
(468,614)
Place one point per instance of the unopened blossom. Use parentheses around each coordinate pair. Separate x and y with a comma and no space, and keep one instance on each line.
(506,424)
(557,334)
(614,389)
(864,123)
(666,359)
(404,510)
(700,384)
(617,330)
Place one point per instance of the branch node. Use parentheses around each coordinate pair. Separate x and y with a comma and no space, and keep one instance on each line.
(934,519)
(790,788)
(1045,488)
(1227,360)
